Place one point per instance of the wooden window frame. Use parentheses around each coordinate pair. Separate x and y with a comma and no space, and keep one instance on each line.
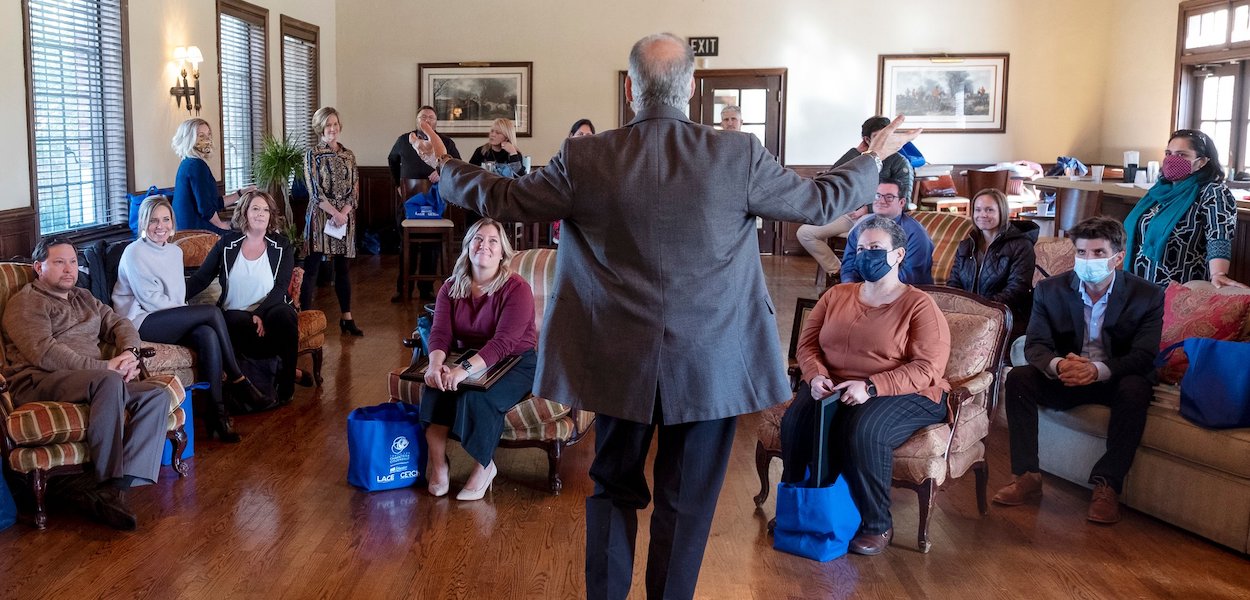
(1185,105)
(257,15)
(308,32)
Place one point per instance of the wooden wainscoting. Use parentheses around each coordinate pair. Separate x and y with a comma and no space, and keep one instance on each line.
(17,232)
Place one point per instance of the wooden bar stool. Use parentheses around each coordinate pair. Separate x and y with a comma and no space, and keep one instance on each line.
(423,232)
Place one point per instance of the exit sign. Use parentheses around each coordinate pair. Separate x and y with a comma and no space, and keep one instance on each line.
(705,46)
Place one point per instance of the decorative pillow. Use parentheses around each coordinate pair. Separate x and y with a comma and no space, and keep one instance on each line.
(941,186)
(1197,313)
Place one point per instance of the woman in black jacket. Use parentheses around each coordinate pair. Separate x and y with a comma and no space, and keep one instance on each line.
(253,263)
(997,259)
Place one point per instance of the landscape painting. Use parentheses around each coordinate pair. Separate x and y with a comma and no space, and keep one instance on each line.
(945,93)
(469,96)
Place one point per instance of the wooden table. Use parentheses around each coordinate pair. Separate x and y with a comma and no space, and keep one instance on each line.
(425,232)
(1081,198)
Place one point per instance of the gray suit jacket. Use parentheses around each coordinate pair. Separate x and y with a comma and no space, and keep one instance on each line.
(658,288)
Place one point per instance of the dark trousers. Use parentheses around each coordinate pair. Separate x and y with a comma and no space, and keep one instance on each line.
(475,417)
(864,438)
(127,422)
(281,339)
(689,469)
(342,281)
(202,328)
(1128,397)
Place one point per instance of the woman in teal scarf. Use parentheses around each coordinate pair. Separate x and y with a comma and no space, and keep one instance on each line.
(1183,228)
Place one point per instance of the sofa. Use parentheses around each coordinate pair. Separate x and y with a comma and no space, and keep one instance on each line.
(1195,478)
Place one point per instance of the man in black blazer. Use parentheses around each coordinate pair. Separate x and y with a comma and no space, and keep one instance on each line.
(1092,339)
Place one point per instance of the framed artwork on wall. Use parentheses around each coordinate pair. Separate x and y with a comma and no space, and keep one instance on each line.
(468,96)
(945,93)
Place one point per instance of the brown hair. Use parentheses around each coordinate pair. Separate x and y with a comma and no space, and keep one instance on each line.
(322,117)
(1000,199)
(239,220)
(1099,228)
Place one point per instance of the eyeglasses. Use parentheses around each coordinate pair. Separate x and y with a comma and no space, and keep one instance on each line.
(888,197)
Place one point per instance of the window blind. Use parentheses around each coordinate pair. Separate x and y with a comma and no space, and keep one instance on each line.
(299,88)
(243,97)
(78,101)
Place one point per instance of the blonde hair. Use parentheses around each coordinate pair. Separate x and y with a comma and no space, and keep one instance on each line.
(322,116)
(462,273)
(239,219)
(145,212)
(185,137)
(509,133)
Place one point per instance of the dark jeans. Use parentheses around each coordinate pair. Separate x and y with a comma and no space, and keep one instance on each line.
(281,339)
(342,281)
(689,469)
(1128,396)
(202,328)
(864,438)
(476,417)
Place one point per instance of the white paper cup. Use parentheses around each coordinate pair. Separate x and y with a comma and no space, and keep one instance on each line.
(1096,171)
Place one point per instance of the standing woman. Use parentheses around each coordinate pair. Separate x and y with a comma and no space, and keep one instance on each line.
(1183,228)
(253,266)
(484,306)
(500,148)
(151,292)
(333,192)
(196,202)
(996,260)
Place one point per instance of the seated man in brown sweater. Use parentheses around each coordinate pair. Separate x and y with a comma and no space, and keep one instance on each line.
(52,336)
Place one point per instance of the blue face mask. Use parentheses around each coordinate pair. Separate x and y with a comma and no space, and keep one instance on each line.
(1093,270)
(872,264)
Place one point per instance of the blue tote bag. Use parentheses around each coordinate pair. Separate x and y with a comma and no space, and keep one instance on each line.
(425,205)
(8,510)
(386,446)
(1215,391)
(815,522)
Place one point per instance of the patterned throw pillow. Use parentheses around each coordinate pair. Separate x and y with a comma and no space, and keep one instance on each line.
(1197,313)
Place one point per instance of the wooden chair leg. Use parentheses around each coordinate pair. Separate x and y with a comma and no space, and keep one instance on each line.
(178,438)
(925,493)
(982,472)
(762,460)
(553,466)
(39,490)
(316,360)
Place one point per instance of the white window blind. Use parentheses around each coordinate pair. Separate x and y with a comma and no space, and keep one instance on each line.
(299,88)
(243,97)
(79,125)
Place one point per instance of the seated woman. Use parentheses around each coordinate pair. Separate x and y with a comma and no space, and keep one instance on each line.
(997,259)
(500,150)
(1183,229)
(253,265)
(151,292)
(884,344)
(486,307)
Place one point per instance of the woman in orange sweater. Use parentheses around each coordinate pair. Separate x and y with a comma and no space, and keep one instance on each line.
(884,345)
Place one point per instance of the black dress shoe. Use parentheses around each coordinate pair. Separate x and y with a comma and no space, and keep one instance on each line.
(349,326)
(870,544)
(222,428)
(108,505)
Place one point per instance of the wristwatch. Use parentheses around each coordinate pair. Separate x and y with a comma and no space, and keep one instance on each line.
(872,389)
(466,365)
(875,158)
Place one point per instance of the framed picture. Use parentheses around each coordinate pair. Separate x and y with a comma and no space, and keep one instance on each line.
(945,93)
(469,96)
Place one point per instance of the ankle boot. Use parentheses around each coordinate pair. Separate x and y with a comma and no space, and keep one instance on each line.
(349,326)
(245,393)
(222,428)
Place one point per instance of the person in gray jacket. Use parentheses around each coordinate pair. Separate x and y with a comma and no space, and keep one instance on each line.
(659,319)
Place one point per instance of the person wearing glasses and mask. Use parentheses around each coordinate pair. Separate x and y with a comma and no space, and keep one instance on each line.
(1183,228)
(917,267)
(1092,339)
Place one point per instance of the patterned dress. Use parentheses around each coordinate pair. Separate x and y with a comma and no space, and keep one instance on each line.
(331,176)
(1205,232)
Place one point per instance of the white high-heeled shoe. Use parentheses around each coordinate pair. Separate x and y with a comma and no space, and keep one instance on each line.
(479,493)
(440,490)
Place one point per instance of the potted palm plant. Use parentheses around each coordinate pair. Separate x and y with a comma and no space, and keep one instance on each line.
(279,163)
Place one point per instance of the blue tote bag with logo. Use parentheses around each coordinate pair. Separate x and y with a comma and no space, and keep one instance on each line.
(386,446)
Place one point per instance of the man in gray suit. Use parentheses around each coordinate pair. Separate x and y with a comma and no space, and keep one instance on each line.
(659,317)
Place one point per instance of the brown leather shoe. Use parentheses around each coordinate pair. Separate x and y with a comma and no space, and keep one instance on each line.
(869,544)
(1024,488)
(1104,504)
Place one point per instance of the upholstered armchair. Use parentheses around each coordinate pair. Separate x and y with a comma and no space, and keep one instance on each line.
(946,230)
(535,422)
(46,439)
(946,450)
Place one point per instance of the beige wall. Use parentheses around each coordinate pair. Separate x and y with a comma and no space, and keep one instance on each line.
(1139,71)
(1056,92)
(15,176)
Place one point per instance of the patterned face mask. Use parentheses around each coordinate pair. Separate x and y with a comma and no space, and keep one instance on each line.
(1176,167)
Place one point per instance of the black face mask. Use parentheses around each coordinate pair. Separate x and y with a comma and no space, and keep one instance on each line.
(872,264)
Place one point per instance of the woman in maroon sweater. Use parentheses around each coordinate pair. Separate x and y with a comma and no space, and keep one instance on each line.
(486,307)
(884,344)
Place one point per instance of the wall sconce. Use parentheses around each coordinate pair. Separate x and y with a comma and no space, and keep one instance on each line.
(191,93)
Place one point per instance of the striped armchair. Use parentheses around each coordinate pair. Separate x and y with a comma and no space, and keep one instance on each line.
(44,439)
(535,422)
(946,230)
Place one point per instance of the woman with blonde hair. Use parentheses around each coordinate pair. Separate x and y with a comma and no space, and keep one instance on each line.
(500,150)
(483,306)
(196,202)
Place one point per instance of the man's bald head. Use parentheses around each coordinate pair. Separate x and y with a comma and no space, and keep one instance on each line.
(661,67)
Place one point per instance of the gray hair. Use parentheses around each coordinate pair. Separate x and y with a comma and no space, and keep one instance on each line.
(731,108)
(898,238)
(184,139)
(659,79)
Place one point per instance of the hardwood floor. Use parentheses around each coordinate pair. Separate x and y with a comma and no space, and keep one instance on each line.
(274,517)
